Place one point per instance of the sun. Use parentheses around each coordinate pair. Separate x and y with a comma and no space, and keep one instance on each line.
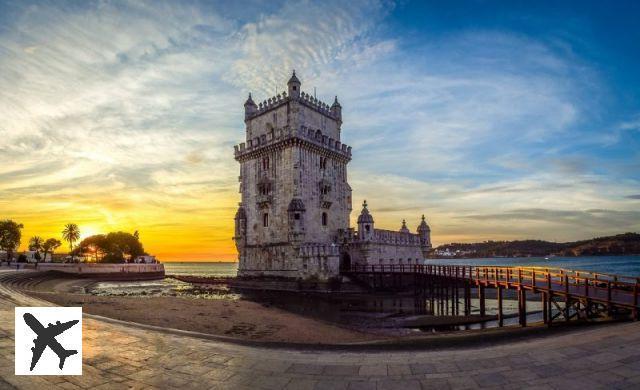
(87,231)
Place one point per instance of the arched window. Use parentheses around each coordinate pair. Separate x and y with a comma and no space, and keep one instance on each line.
(325,219)
(265,163)
(265,220)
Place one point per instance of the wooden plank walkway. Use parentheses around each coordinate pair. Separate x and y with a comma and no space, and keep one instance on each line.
(584,294)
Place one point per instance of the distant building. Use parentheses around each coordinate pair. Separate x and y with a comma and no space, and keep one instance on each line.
(31,257)
(145,259)
(293,218)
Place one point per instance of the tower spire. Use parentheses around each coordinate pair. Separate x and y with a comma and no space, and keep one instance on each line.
(294,86)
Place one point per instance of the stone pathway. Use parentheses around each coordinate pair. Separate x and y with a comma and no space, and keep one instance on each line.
(126,357)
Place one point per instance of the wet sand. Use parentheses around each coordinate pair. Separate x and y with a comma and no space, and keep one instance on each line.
(233,318)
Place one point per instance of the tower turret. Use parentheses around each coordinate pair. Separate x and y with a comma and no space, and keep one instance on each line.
(240,236)
(294,86)
(336,110)
(250,107)
(404,228)
(365,224)
(424,231)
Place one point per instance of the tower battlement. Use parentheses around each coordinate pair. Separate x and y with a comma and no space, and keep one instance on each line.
(281,99)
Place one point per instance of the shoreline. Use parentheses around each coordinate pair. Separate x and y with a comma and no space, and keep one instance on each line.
(242,320)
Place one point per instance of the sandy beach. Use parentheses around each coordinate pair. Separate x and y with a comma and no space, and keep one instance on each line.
(234,318)
(225,315)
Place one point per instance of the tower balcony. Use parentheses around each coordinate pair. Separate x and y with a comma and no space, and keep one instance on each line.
(325,201)
(284,136)
(264,200)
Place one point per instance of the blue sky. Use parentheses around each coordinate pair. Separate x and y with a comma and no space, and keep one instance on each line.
(498,120)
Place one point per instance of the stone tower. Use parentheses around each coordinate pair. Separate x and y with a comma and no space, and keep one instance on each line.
(295,198)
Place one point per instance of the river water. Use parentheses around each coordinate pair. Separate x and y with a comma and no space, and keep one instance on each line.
(621,265)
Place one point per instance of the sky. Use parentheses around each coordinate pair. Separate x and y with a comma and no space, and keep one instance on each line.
(497,120)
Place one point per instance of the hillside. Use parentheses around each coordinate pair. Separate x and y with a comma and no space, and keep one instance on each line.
(621,244)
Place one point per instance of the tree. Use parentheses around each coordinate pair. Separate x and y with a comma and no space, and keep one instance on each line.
(71,234)
(35,244)
(50,246)
(123,245)
(114,247)
(95,246)
(10,235)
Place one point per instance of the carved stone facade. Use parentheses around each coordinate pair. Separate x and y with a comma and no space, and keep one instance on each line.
(293,219)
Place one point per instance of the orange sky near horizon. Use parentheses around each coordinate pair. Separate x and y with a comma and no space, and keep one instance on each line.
(203,239)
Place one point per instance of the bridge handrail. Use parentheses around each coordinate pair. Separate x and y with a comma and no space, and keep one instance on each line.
(523,276)
(481,272)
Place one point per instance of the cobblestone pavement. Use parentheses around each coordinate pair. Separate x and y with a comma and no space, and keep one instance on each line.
(118,356)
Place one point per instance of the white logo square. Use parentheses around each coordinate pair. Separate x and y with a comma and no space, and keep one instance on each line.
(48,340)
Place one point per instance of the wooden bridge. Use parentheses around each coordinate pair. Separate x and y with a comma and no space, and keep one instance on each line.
(573,294)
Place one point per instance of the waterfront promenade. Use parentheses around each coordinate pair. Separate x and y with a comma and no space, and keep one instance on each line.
(122,356)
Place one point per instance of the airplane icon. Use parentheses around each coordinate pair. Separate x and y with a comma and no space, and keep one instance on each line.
(47,338)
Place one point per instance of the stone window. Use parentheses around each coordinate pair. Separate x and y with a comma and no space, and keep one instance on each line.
(325,219)
(265,163)
(264,188)
(366,227)
(265,219)
(296,216)
(323,162)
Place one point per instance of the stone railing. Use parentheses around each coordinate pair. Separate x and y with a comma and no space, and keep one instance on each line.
(395,237)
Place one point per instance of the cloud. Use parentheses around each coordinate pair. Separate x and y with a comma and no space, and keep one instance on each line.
(633,124)
(125,114)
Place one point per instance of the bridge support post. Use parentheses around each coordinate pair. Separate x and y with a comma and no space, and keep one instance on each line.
(634,312)
(545,306)
(500,317)
(467,299)
(481,295)
(549,295)
(522,307)
(457,298)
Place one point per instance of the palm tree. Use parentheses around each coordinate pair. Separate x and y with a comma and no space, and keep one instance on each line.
(71,234)
(50,246)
